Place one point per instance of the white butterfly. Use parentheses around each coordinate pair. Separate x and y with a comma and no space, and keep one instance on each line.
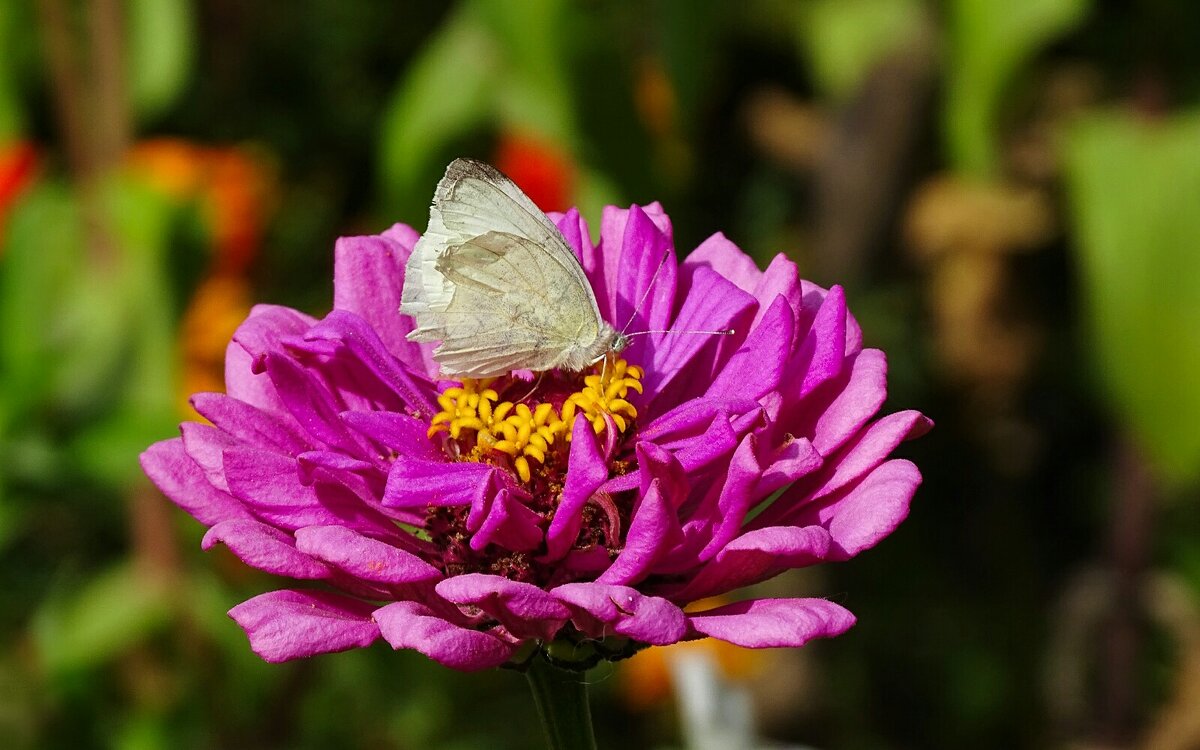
(495,282)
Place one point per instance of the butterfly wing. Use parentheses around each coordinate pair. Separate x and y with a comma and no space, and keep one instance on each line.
(495,281)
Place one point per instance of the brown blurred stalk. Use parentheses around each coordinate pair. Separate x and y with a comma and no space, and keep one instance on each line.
(1130,533)
(90,99)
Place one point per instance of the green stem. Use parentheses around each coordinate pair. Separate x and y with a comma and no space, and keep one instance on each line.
(562,704)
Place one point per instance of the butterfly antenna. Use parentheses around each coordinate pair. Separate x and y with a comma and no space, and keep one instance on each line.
(662,262)
(722,332)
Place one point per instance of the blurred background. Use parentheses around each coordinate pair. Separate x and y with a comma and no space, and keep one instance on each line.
(1008,189)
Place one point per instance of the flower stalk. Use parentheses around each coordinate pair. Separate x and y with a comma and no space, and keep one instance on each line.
(562,704)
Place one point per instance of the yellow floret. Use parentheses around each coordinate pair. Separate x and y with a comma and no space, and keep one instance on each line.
(526,432)
(604,395)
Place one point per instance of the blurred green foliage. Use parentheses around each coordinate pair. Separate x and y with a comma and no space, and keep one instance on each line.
(749,118)
(988,43)
(1133,186)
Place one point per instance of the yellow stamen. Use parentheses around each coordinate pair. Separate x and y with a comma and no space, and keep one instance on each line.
(527,432)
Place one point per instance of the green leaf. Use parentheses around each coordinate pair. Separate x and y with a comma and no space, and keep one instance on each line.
(159,53)
(449,90)
(86,336)
(846,38)
(989,41)
(1133,186)
(113,611)
(534,91)
(11,115)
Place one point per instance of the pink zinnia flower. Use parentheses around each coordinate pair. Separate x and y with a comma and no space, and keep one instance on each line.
(468,520)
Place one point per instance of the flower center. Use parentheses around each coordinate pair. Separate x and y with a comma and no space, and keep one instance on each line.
(527,429)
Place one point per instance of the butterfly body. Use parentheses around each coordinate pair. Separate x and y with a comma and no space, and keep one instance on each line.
(496,283)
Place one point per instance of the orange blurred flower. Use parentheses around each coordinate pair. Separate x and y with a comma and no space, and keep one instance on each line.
(219,304)
(540,168)
(18,167)
(235,186)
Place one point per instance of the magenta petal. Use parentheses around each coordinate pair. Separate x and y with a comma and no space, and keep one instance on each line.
(858,517)
(586,471)
(249,424)
(794,459)
(781,279)
(416,483)
(413,625)
(265,548)
(310,403)
(773,623)
(368,275)
(395,433)
(310,462)
(185,484)
(654,527)
(575,231)
(206,445)
(262,332)
(735,499)
(270,485)
(859,400)
(721,255)
(681,366)
(347,329)
(647,275)
(866,452)
(286,624)
(510,524)
(822,354)
(363,557)
(525,610)
(753,557)
(627,236)
(758,366)
(600,610)
(870,448)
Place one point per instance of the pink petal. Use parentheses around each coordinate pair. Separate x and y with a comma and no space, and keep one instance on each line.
(265,548)
(681,365)
(860,516)
(753,557)
(654,527)
(270,485)
(773,623)
(368,275)
(286,624)
(525,610)
(857,401)
(249,424)
(260,333)
(363,557)
(310,403)
(413,625)
(185,484)
(575,232)
(601,610)
(509,524)
(721,255)
(822,354)
(363,343)
(586,471)
(400,434)
(758,366)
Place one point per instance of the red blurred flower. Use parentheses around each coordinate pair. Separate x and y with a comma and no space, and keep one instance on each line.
(18,165)
(540,168)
